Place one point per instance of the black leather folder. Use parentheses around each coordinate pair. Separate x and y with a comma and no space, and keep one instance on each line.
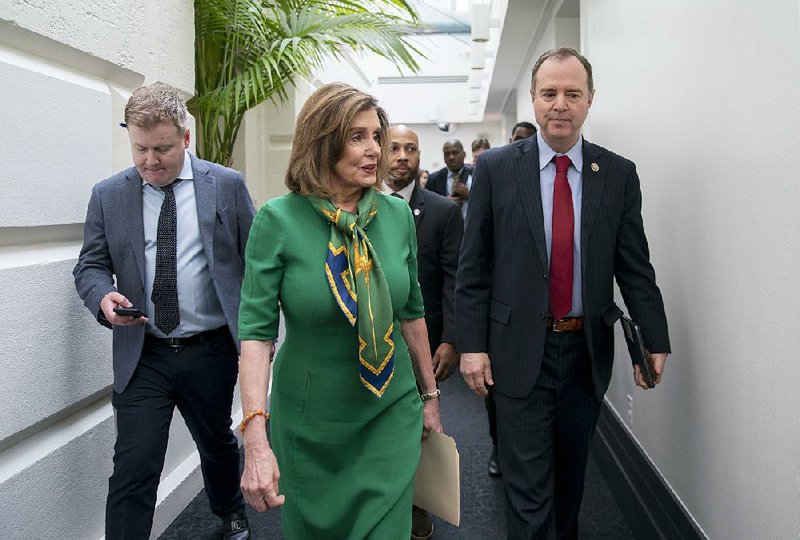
(639,355)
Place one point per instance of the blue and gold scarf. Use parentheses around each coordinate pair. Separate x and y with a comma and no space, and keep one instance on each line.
(359,287)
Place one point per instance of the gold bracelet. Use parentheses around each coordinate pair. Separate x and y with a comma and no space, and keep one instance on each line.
(250,416)
(430,395)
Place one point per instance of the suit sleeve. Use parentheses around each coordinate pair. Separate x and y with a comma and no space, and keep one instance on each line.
(94,272)
(414,308)
(246,213)
(634,273)
(473,287)
(451,246)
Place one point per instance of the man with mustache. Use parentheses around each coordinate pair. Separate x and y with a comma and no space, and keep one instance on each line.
(554,220)
(439,232)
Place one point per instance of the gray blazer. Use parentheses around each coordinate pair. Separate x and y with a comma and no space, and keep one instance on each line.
(113,246)
(502,282)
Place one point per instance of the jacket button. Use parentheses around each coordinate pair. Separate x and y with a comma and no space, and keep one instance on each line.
(544,276)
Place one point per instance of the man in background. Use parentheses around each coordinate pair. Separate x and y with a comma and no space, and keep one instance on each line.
(522,130)
(167,237)
(455,178)
(554,220)
(479,146)
(439,232)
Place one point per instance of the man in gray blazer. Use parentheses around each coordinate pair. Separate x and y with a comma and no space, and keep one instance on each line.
(167,237)
(553,220)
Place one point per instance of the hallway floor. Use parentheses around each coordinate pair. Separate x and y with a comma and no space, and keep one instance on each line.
(482,498)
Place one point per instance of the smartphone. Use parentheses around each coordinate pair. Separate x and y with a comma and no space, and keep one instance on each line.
(129,311)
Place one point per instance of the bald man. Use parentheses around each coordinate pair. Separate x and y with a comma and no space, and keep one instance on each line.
(439,231)
(455,178)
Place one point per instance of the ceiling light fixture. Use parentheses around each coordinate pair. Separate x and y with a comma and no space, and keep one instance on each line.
(481,15)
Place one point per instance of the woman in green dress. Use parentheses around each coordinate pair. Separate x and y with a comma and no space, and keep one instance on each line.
(339,257)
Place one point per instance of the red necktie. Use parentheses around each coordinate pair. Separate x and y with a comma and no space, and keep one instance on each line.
(561,254)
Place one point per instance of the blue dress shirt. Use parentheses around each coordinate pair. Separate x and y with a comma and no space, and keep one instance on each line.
(547,181)
(199,306)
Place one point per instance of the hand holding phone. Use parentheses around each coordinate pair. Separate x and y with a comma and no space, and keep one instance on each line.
(129,312)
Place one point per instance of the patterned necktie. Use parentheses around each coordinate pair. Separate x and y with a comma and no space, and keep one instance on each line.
(561,254)
(456,180)
(165,283)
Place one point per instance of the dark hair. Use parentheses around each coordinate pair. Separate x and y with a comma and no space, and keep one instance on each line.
(525,125)
(481,143)
(562,53)
(320,136)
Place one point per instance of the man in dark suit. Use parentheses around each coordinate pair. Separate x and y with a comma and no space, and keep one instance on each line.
(521,130)
(439,232)
(455,178)
(553,220)
(167,237)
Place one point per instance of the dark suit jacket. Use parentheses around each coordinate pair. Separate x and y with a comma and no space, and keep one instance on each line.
(437,181)
(113,246)
(440,228)
(502,284)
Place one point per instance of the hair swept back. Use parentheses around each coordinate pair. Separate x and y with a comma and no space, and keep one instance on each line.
(562,53)
(155,104)
(321,134)
(481,142)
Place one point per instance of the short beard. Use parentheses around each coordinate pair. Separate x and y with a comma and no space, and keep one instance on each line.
(392,180)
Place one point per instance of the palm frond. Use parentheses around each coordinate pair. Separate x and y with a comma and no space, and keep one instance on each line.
(251,51)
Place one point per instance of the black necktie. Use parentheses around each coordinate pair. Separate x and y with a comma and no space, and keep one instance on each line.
(165,282)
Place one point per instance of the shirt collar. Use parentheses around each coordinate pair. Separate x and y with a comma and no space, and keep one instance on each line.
(405,192)
(186,172)
(546,154)
(459,172)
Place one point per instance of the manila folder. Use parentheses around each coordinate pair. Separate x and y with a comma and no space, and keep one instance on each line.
(437,487)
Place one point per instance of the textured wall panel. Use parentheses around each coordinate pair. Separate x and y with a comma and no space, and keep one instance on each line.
(152,38)
(53,353)
(55,142)
(63,494)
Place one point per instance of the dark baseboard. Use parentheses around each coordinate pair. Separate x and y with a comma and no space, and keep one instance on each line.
(648,504)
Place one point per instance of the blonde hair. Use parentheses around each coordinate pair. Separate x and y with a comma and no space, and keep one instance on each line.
(321,134)
(158,103)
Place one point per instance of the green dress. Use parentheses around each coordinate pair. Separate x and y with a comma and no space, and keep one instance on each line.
(347,458)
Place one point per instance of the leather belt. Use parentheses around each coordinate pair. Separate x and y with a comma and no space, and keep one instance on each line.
(572,324)
(177,342)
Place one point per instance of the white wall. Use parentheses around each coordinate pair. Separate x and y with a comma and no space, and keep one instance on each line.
(703,96)
(66,70)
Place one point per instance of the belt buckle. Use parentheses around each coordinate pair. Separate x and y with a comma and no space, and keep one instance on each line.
(554,327)
(175,343)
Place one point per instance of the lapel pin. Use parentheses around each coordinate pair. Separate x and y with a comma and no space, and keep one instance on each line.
(595,167)
(416,211)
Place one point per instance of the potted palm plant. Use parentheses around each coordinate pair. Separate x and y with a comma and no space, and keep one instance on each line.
(250,51)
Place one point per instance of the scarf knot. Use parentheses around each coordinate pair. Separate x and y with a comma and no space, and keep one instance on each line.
(359,287)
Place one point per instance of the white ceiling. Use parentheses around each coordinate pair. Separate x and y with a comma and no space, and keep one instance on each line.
(439,91)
